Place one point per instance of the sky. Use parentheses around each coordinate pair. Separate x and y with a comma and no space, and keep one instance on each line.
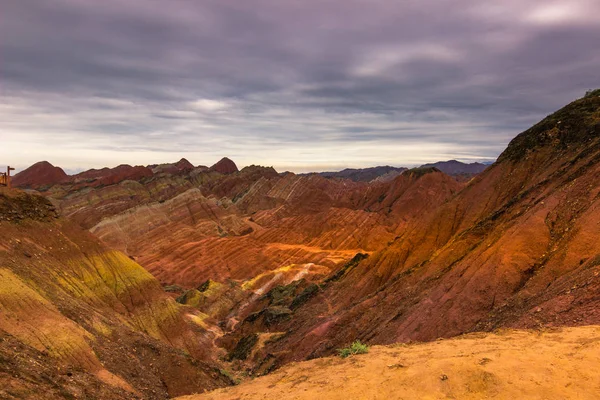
(301,85)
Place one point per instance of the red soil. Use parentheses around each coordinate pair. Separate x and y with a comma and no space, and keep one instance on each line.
(39,174)
(224,166)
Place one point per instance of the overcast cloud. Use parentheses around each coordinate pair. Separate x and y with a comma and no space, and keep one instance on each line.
(300,85)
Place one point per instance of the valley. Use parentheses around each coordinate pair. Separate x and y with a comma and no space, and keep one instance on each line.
(168,280)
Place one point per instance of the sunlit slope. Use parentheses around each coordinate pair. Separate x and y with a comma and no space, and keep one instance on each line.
(559,364)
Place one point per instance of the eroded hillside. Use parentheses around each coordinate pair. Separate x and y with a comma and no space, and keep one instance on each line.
(260,269)
(518,247)
(78,320)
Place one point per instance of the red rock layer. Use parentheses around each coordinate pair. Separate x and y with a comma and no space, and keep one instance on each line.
(260,221)
(225,166)
(39,174)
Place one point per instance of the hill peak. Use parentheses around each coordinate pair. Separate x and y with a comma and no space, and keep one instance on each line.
(224,166)
(574,125)
(39,174)
(184,164)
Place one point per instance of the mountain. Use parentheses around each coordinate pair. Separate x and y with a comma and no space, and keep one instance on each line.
(388,173)
(278,268)
(248,232)
(224,166)
(43,175)
(454,167)
(365,174)
(38,175)
(300,219)
(79,320)
(243,224)
(517,247)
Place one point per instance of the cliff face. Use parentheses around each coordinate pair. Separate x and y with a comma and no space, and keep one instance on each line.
(86,321)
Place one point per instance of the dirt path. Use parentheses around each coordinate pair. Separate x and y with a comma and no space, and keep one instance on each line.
(560,364)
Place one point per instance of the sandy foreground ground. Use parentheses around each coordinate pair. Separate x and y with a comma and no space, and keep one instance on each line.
(549,364)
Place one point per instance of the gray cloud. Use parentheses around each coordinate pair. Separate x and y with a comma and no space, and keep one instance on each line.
(299,85)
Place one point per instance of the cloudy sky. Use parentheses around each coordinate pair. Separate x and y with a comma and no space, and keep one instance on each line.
(297,84)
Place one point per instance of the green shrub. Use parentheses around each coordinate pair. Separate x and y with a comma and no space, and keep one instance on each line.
(592,93)
(355,348)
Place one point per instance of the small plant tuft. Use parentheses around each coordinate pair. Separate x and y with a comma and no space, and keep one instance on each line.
(355,348)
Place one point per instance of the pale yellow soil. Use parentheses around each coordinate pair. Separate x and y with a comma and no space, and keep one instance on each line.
(558,364)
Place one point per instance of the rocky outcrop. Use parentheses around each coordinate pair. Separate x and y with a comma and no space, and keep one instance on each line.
(16,206)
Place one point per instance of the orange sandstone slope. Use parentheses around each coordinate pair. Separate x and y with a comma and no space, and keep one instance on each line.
(78,320)
(518,247)
(555,365)
(267,222)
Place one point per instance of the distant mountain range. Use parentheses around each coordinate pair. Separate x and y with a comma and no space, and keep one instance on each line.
(364,174)
(387,173)
(44,174)
(455,168)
